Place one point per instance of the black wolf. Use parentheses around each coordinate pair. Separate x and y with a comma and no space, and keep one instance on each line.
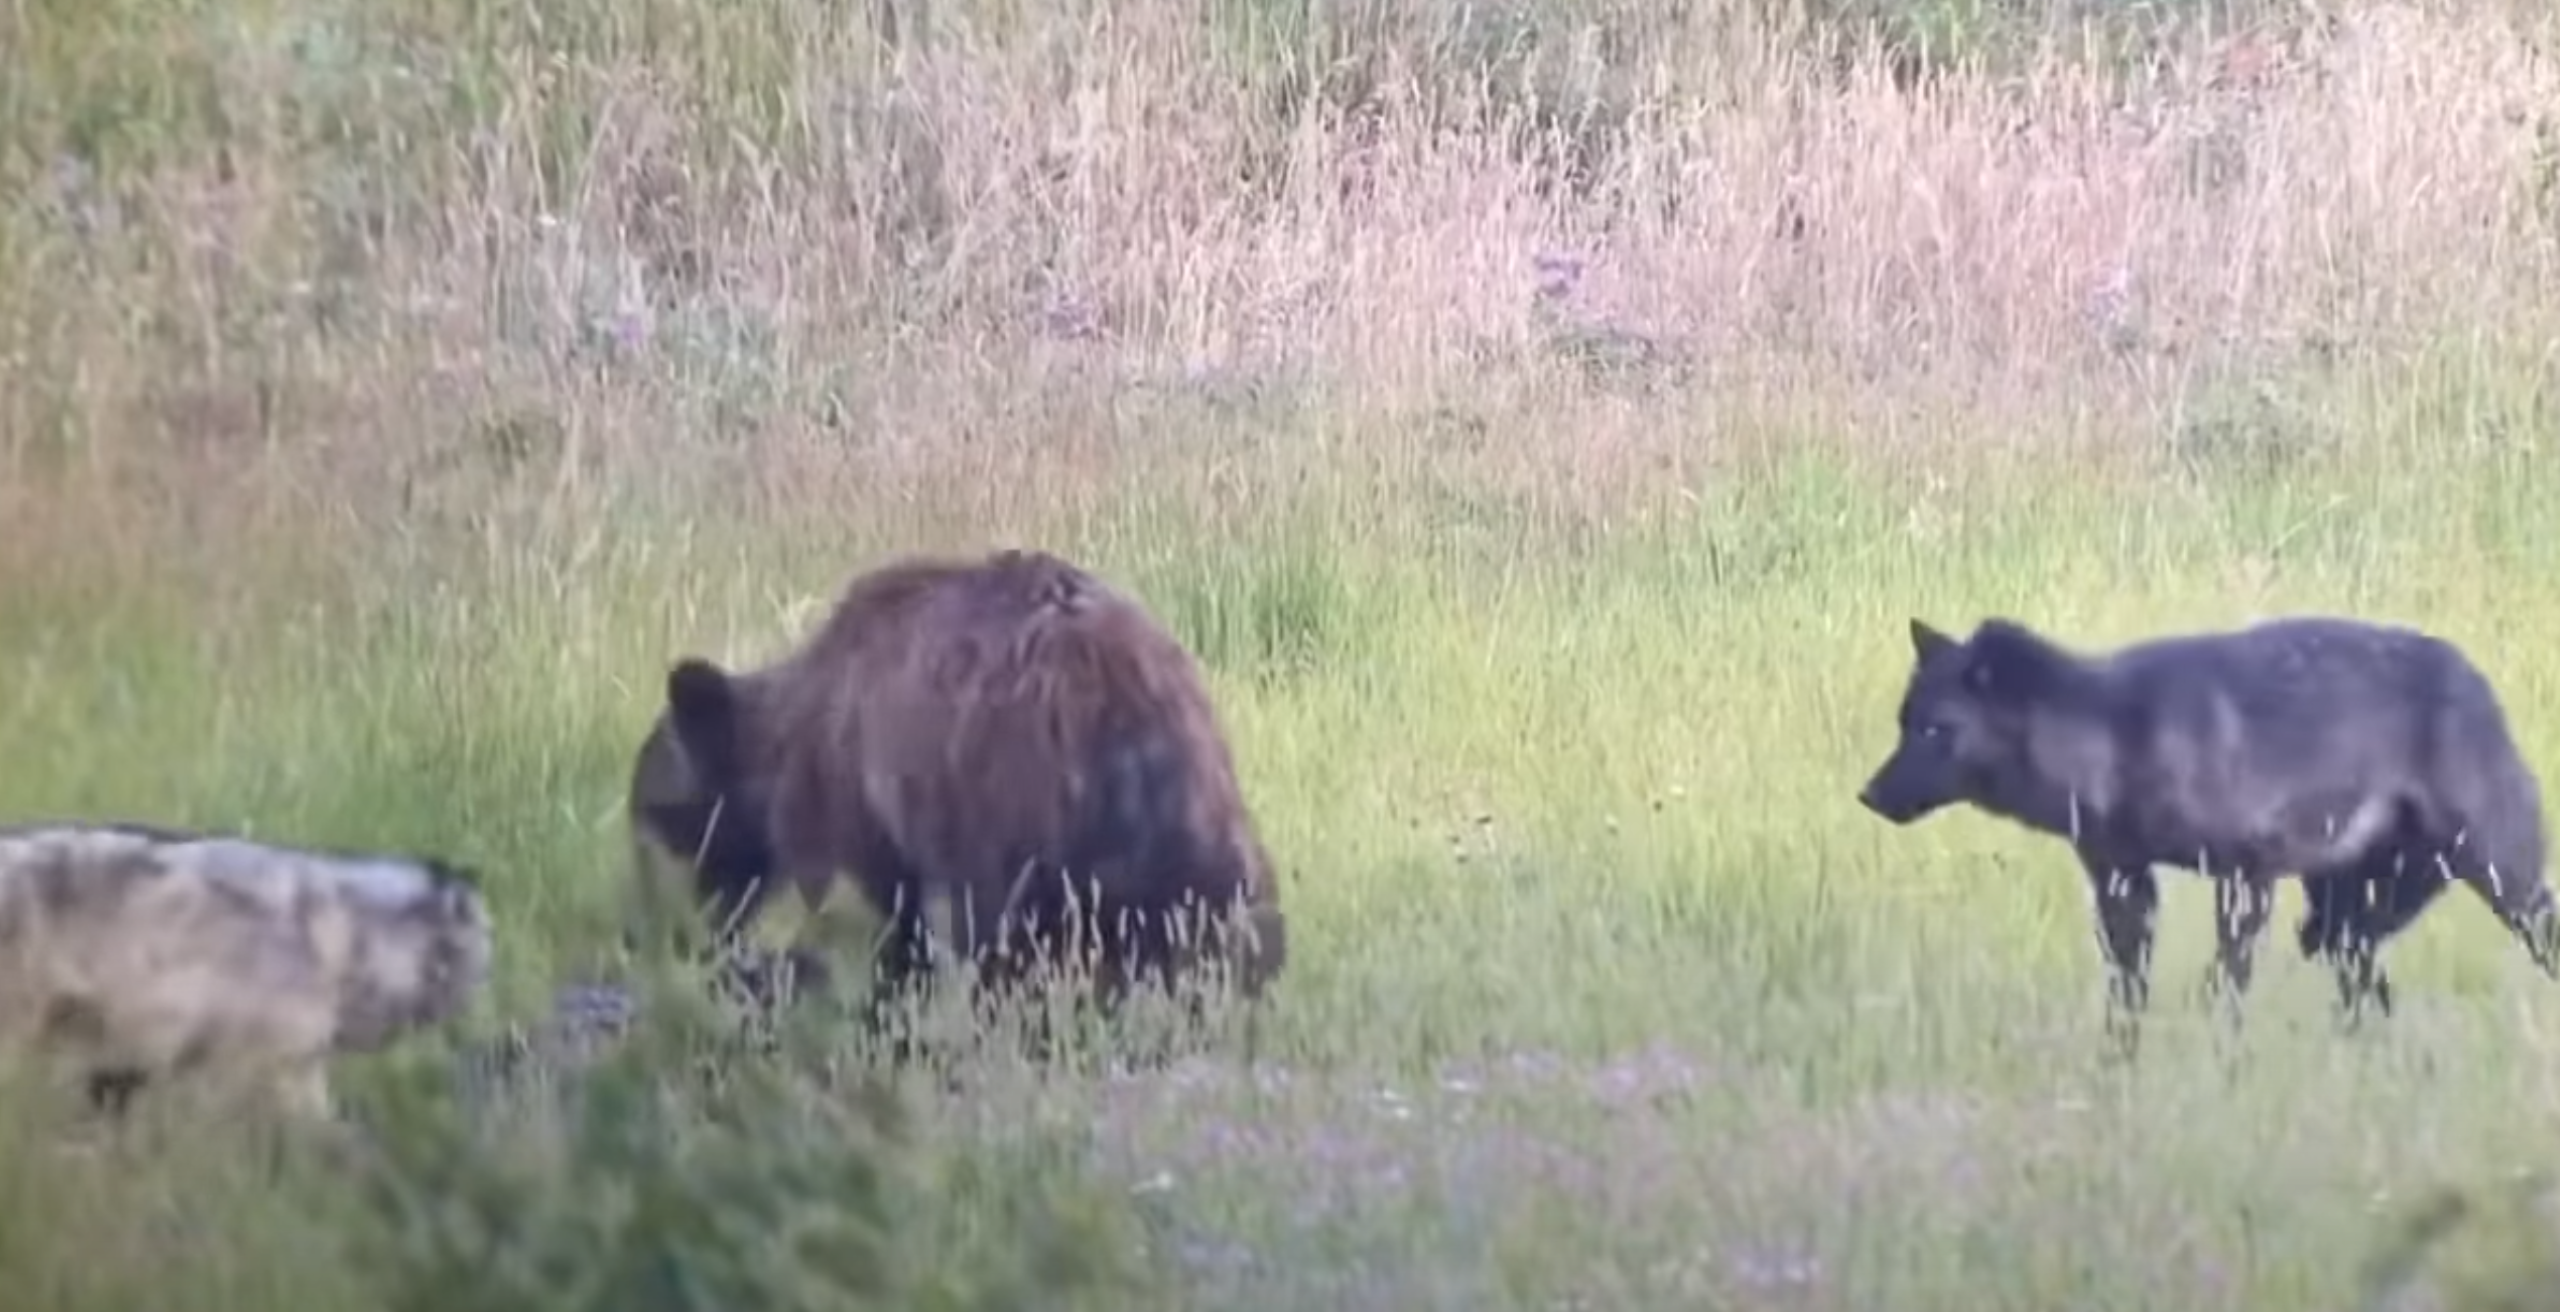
(2373,761)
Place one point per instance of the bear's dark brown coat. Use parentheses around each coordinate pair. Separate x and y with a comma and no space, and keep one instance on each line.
(1005,731)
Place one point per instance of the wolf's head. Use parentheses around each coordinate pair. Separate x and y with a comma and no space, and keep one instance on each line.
(1965,717)
(426,956)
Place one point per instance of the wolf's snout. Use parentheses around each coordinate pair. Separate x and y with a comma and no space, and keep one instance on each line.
(1883,802)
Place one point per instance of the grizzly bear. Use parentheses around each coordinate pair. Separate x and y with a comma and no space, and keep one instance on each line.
(1010,733)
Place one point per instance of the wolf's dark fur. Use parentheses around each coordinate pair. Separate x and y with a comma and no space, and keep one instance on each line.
(2372,761)
(1009,731)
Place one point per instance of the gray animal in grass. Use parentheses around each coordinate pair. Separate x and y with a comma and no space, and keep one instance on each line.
(2372,761)
(133,954)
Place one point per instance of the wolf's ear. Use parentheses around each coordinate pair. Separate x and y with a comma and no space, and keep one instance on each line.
(2005,659)
(457,899)
(1926,641)
(702,711)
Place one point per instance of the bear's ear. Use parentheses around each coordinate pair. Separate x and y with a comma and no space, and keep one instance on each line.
(702,710)
(1926,641)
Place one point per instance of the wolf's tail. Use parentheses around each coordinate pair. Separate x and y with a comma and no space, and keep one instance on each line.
(2496,805)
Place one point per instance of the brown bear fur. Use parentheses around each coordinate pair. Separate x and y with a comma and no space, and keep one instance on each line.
(994,730)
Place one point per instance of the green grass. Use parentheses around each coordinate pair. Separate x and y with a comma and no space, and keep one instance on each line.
(388,394)
(1606,990)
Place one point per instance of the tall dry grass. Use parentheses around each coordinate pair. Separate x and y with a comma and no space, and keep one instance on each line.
(436,260)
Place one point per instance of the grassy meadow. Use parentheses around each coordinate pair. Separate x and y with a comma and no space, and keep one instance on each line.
(1541,419)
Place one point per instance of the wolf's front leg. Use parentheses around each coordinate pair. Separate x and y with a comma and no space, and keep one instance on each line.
(2127,901)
